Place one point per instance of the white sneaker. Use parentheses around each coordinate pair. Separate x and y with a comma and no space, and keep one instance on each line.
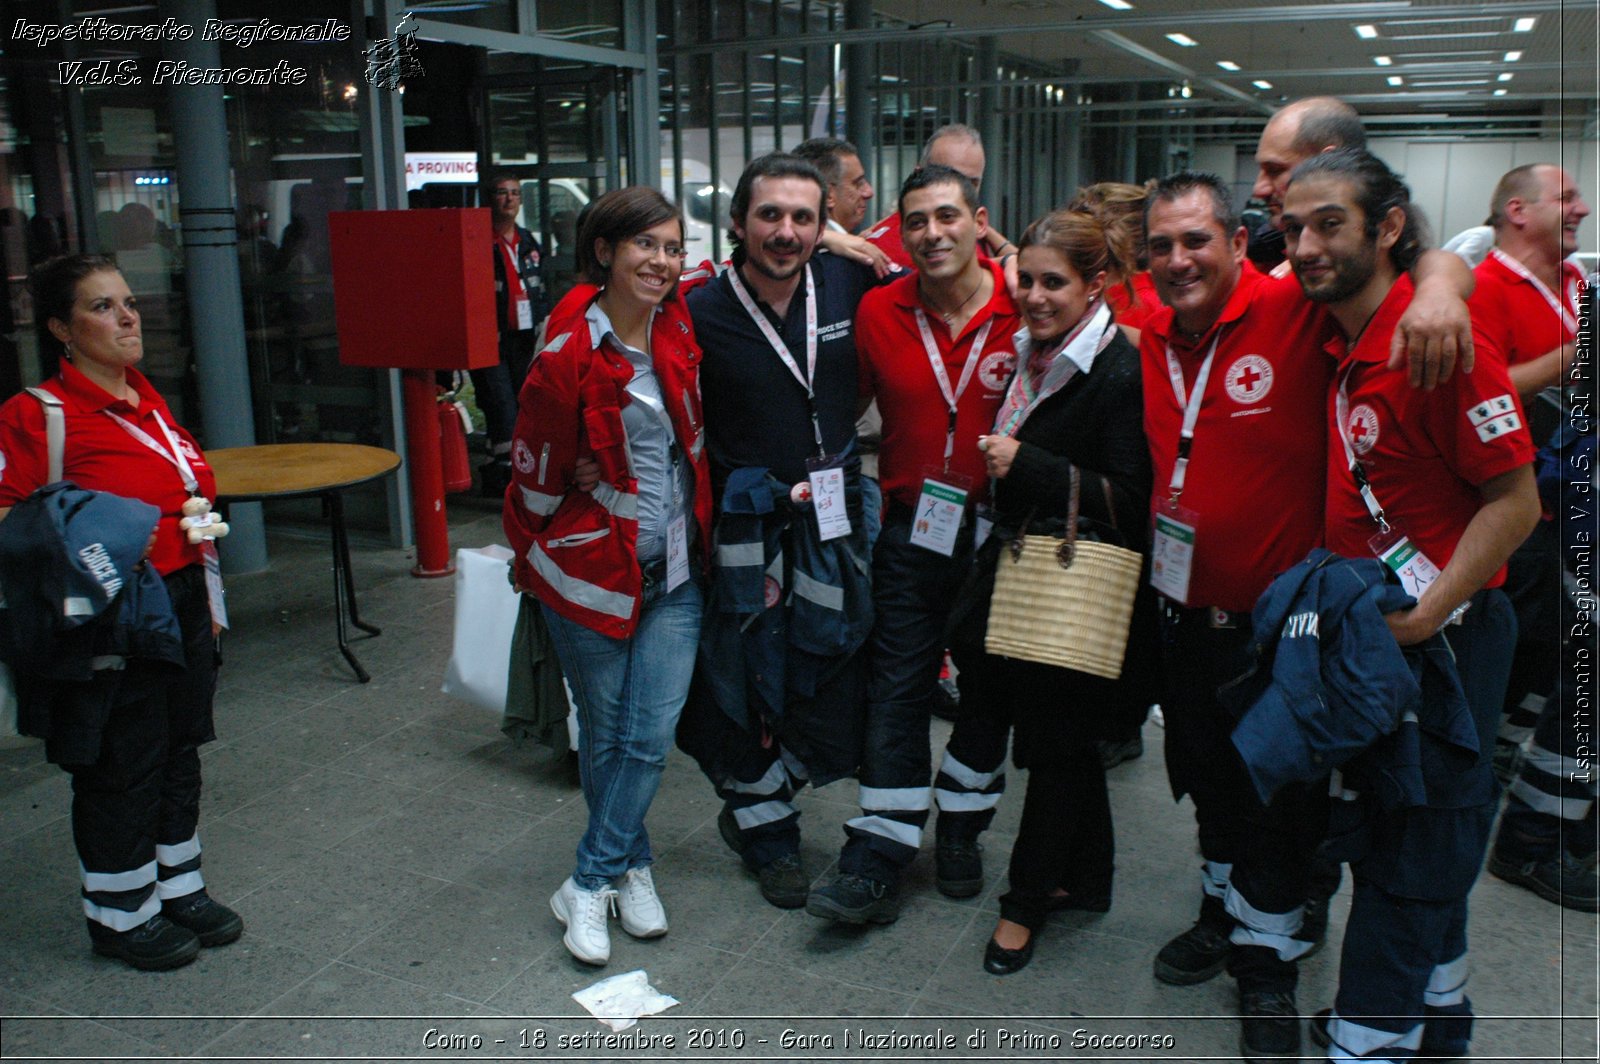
(584,913)
(642,914)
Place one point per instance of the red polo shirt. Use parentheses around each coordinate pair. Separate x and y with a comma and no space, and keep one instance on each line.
(886,235)
(1134,311)
(1256,468)
(102,456)
(894,369)
(1425,453)
(1513,312)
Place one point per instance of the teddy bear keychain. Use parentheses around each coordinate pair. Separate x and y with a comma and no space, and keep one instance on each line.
(200,521)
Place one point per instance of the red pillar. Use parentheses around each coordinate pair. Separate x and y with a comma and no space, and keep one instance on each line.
(427,474)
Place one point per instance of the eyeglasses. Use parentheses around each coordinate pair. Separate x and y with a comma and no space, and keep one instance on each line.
(649,246)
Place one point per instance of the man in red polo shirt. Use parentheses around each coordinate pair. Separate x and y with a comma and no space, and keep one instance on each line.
(1527,300)
(1234,384)
(1440,486)
(1527,294)
(935,349)
(959,147)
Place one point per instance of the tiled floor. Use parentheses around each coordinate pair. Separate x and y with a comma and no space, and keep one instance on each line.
(392,857)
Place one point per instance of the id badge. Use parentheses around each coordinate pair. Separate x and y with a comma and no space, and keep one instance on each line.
(213,569)
(827,497)
(1395,549)
(937,520)
(524,314)
(1172,551)
(677,553)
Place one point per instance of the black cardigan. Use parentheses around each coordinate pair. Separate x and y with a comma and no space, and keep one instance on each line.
(1096,422)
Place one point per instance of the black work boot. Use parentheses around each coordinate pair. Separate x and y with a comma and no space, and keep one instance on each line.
(1269,1025)
(1201,952)
(153,946)
(783,879)
(852,898)
(958,861)
(212,922)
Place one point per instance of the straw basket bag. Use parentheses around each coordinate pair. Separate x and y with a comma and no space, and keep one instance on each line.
(1064,601)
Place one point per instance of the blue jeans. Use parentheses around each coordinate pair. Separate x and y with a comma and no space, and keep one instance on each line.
(629,693)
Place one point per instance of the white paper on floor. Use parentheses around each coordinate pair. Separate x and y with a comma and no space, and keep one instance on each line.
(619,1001)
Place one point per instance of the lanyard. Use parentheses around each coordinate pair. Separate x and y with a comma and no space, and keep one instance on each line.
(1564,312)
(1341,408)
(174,457)
(936,360)
(782,348)
(1191,409)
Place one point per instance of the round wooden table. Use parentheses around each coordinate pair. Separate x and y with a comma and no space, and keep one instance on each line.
(298,470)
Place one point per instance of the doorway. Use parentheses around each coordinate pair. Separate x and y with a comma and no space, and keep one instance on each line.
(559,130)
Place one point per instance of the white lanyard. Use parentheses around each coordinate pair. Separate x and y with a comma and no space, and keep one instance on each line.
(1341,408)
(175,457)
(936,360)
(1565,312)
(1190,404)
(782,348)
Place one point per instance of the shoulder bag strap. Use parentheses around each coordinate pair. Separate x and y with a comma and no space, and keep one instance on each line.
(55,430)
(1069,543)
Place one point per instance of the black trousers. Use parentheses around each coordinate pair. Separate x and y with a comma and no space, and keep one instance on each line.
(136,808)
(1266,850)
(1065,839)
(912,594)
(496,388)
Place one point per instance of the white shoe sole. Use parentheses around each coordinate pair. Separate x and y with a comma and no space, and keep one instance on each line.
(558,906)
(649,932)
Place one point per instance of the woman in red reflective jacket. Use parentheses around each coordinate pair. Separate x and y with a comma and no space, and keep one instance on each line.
(617,565)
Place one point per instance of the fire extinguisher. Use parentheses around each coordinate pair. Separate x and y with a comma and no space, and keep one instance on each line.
(454,423)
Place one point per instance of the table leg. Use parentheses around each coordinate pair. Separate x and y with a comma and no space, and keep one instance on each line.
(344,586)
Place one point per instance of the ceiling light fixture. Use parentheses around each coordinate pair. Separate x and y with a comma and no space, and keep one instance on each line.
(1383,60)
(1524,25)
(1366,31)
(1182,39)
(1512,57)
(1504,77)
(1227,64)
(1262,84)
(1499,92)
(1396,80)
(1117,5)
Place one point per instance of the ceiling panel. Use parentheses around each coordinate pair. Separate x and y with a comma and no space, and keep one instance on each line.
(1451,57)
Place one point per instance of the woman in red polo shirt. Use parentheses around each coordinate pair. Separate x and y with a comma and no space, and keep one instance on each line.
(135,806)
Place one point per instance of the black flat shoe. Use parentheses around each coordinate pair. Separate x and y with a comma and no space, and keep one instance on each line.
(997,960)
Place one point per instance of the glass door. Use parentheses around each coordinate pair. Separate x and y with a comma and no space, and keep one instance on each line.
(559,132)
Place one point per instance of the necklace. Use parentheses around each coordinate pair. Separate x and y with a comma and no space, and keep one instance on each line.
(948,315)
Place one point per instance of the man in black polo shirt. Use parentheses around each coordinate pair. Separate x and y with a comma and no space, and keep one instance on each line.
(779,696)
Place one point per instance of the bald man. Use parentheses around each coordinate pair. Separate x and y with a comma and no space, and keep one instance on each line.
(1294,134)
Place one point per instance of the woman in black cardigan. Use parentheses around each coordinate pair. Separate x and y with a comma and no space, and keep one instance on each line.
(1075,401)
